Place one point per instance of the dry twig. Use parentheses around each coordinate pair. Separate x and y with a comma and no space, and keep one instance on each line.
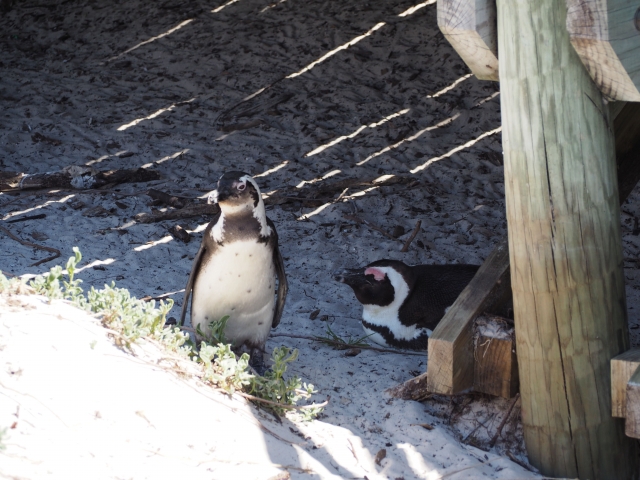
(372,226)
(330,342)
(186,212)
(282,405)
(504,420)
(33,245)
(405,247)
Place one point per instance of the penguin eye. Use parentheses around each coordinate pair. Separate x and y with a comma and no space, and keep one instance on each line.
(241,186)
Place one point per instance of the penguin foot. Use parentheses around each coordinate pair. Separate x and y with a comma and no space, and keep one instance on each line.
(256,362)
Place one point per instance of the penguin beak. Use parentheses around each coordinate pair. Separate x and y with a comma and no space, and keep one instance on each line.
(350,276)
(212,197)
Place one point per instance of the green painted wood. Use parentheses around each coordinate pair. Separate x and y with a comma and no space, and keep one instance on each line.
(564,244)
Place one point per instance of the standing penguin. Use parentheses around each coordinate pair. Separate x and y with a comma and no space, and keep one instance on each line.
(234,272)
(402,304)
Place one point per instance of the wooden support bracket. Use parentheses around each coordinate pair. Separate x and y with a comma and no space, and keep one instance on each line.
(496,364)
(450,366)
(470,28)
(632,424)
(622,369)
(606,36)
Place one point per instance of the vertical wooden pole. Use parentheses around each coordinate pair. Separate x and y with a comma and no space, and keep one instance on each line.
(565,246)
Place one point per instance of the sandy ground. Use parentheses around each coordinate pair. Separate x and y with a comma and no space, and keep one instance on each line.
(306,96)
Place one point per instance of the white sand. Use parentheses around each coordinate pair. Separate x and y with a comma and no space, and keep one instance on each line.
(129,84)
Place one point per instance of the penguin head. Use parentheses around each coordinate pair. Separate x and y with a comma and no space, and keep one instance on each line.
(378,283)
(236,192)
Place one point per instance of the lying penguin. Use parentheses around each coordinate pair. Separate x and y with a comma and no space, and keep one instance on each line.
(402,304)
(234,272)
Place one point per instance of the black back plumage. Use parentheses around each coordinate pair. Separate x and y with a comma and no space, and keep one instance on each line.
(432,289)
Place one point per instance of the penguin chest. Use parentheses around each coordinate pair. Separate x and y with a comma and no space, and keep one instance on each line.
(385,328)
(237,280)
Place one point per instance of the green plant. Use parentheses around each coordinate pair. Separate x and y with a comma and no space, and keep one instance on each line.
(133,319)
(216,331)
(339,343)
(3,437)
(274,387)
(223,368)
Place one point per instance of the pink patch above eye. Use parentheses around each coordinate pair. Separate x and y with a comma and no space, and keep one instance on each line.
(377,274)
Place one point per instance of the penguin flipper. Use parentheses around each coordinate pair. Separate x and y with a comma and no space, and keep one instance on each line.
(192,278)
(283,286)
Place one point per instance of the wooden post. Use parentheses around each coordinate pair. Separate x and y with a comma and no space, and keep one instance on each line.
(470,28)
(606,36)
(565,246)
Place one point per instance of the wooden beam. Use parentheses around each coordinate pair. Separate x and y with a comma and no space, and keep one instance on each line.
(496,365)
(632,424)
(565,246)
(622,368)
(606,36)
(627,129)
(450,366)
(470,28)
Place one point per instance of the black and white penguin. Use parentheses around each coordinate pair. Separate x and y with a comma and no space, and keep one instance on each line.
(402,304)
(234,272)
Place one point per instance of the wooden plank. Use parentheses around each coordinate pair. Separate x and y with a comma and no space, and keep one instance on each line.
(450,365)
(496,364)
(622,368)
(565,247)
(606,36)
(632,424)
(470,28)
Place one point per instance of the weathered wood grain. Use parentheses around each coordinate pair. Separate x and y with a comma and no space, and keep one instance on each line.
(565,246)
(470,28)
(605,35)
(622,368)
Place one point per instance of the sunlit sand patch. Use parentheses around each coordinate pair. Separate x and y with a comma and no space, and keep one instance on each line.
(360,129)
(168,157)
(230,2)
(148,245)
(457,149)
(272,5)
(153,115)
(95,263)
(319,179)
(318,61)
(409,139)
(488,99)
(344,198)
(103,158)
(416,462)
(450,87)
(153,39)
(37,207)
(272,170)
(336,50)
(415,8)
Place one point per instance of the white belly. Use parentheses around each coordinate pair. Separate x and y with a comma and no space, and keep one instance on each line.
(388,317)
(239,281)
